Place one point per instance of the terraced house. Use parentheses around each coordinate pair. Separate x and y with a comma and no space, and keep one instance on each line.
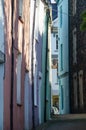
(72,53)
(77,57)
(24,64)
(63,55)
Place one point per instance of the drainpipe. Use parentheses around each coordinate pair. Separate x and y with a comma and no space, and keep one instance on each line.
(69,55)
(12,69)
(46,62)
(32,65)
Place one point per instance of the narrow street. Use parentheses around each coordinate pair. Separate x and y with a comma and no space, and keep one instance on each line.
(66,125)
(42,64)
(66,122)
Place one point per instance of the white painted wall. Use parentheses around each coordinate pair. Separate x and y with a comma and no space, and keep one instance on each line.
(53,38)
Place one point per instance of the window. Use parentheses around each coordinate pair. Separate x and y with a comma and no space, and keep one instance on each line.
(19,61)
(61,56)
(20,7)
(74,47)
(81,88)
(56,41)
(75,90)
(74,7)
(60,16)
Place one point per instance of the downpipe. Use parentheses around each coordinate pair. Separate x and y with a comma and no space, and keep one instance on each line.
(46,62)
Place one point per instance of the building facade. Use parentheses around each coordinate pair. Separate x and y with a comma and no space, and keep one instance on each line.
(77,58)
(54,58)
(63,56)
(24,58)
(16,78)
(38,42)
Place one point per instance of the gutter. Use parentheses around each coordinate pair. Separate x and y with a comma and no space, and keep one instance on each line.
(12,69)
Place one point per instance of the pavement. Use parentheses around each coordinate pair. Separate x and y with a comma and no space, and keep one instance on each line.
(65,122)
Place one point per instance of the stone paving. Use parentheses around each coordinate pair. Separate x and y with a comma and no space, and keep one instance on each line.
(66,125)
(65,122)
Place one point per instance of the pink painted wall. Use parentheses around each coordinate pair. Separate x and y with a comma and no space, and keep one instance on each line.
(21,44)
(7,83)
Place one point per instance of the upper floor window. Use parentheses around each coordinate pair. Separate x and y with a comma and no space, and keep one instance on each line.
(74,7)
(60,16)
(20,7)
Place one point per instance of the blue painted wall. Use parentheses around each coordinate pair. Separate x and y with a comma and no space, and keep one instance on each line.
(63,55)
